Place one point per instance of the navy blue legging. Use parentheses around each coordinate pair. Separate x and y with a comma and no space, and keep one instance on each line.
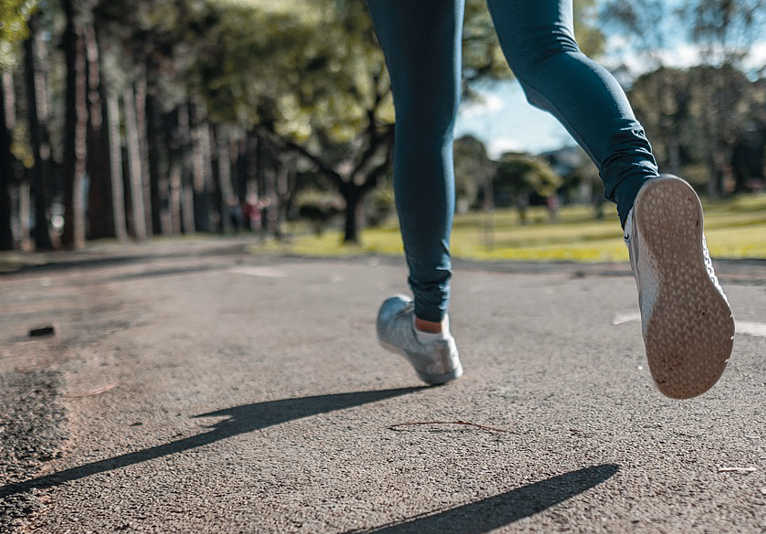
(421,40)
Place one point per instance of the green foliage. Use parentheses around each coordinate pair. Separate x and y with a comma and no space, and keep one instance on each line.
(518,176)
(472,170)
(699,113)
(315,68)
(14,15)
(311,69)
(726,28)
(379,206)
(482,57)
(590,38)
(643,24)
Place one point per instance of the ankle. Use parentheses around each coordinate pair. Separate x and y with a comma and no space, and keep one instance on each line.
(429,331)
(429,327)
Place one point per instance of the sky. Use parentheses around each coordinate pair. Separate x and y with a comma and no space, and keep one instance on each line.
(505,121)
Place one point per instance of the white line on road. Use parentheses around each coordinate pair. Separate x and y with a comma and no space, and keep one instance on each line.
(626,317)
(265,272)
(748,328)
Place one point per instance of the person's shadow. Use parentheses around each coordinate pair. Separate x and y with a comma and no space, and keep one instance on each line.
(473,518)
(242,419)
(499,510)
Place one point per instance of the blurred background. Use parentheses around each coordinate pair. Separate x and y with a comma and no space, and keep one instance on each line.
(130,120)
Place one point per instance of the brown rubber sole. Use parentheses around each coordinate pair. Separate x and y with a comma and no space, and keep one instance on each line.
(690,333)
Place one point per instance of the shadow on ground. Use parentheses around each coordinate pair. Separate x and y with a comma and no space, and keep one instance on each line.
(241,420)
(473,518)
(500,510)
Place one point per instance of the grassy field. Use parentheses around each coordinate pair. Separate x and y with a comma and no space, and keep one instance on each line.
(734,229)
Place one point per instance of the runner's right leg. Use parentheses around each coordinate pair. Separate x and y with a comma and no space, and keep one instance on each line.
(687,323)
(538,41)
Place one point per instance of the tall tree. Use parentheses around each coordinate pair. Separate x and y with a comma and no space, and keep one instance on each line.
(517,177)
(473,171)
(76,127)
(36,70)
(14,14)
(645,26)
(721,97)
(7,120)
(724,30)
(680,119)
(101,218)
(115,163)
(135,180)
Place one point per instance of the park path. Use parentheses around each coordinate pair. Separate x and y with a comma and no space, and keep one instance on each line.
(193,387)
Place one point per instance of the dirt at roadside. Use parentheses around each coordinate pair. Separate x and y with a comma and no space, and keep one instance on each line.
(32,431)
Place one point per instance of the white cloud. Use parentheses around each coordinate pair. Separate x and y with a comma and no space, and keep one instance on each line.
(498,146)
(489,103)
(682,56)
(757,57)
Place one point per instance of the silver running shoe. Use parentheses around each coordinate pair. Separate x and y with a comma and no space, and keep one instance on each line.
(436,362)
(687,323)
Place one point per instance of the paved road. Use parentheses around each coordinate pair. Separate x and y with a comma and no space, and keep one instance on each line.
(192,387)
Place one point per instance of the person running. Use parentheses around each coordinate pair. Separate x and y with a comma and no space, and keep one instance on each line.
(687,323)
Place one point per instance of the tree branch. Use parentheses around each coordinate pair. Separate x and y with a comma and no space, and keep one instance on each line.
(291,145)
(375,175)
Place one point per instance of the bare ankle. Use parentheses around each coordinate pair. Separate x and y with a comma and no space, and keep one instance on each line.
(428,326)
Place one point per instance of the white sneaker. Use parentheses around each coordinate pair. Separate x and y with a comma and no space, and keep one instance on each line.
(436,362)
(686,319)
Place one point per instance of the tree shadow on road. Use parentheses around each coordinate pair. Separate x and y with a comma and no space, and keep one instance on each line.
(500,510)
(241,420)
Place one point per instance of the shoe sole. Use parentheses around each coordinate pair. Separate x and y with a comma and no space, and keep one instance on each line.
(430,379)
(690,334)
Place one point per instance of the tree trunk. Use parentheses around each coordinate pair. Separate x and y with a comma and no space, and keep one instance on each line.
(140,95)
(21,199)
(138,212)
(76,128)
(237,152)
(175,170)
(207,151)
(266,165)
(250,167)
(158,176)
(25,215)
(187,178)
(7,117)
(227,198)
(489,211)
(35,59)
(115,159)
(201,170)
(353,196)
(286,186)
(101,219)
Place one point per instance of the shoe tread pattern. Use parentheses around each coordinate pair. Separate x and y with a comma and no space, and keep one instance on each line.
(690,332)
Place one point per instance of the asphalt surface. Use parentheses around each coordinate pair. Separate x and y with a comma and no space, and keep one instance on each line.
(193,387)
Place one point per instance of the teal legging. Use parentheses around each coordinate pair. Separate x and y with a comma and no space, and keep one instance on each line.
(421,40)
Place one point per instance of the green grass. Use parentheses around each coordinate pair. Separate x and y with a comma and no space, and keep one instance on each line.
(734,228)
